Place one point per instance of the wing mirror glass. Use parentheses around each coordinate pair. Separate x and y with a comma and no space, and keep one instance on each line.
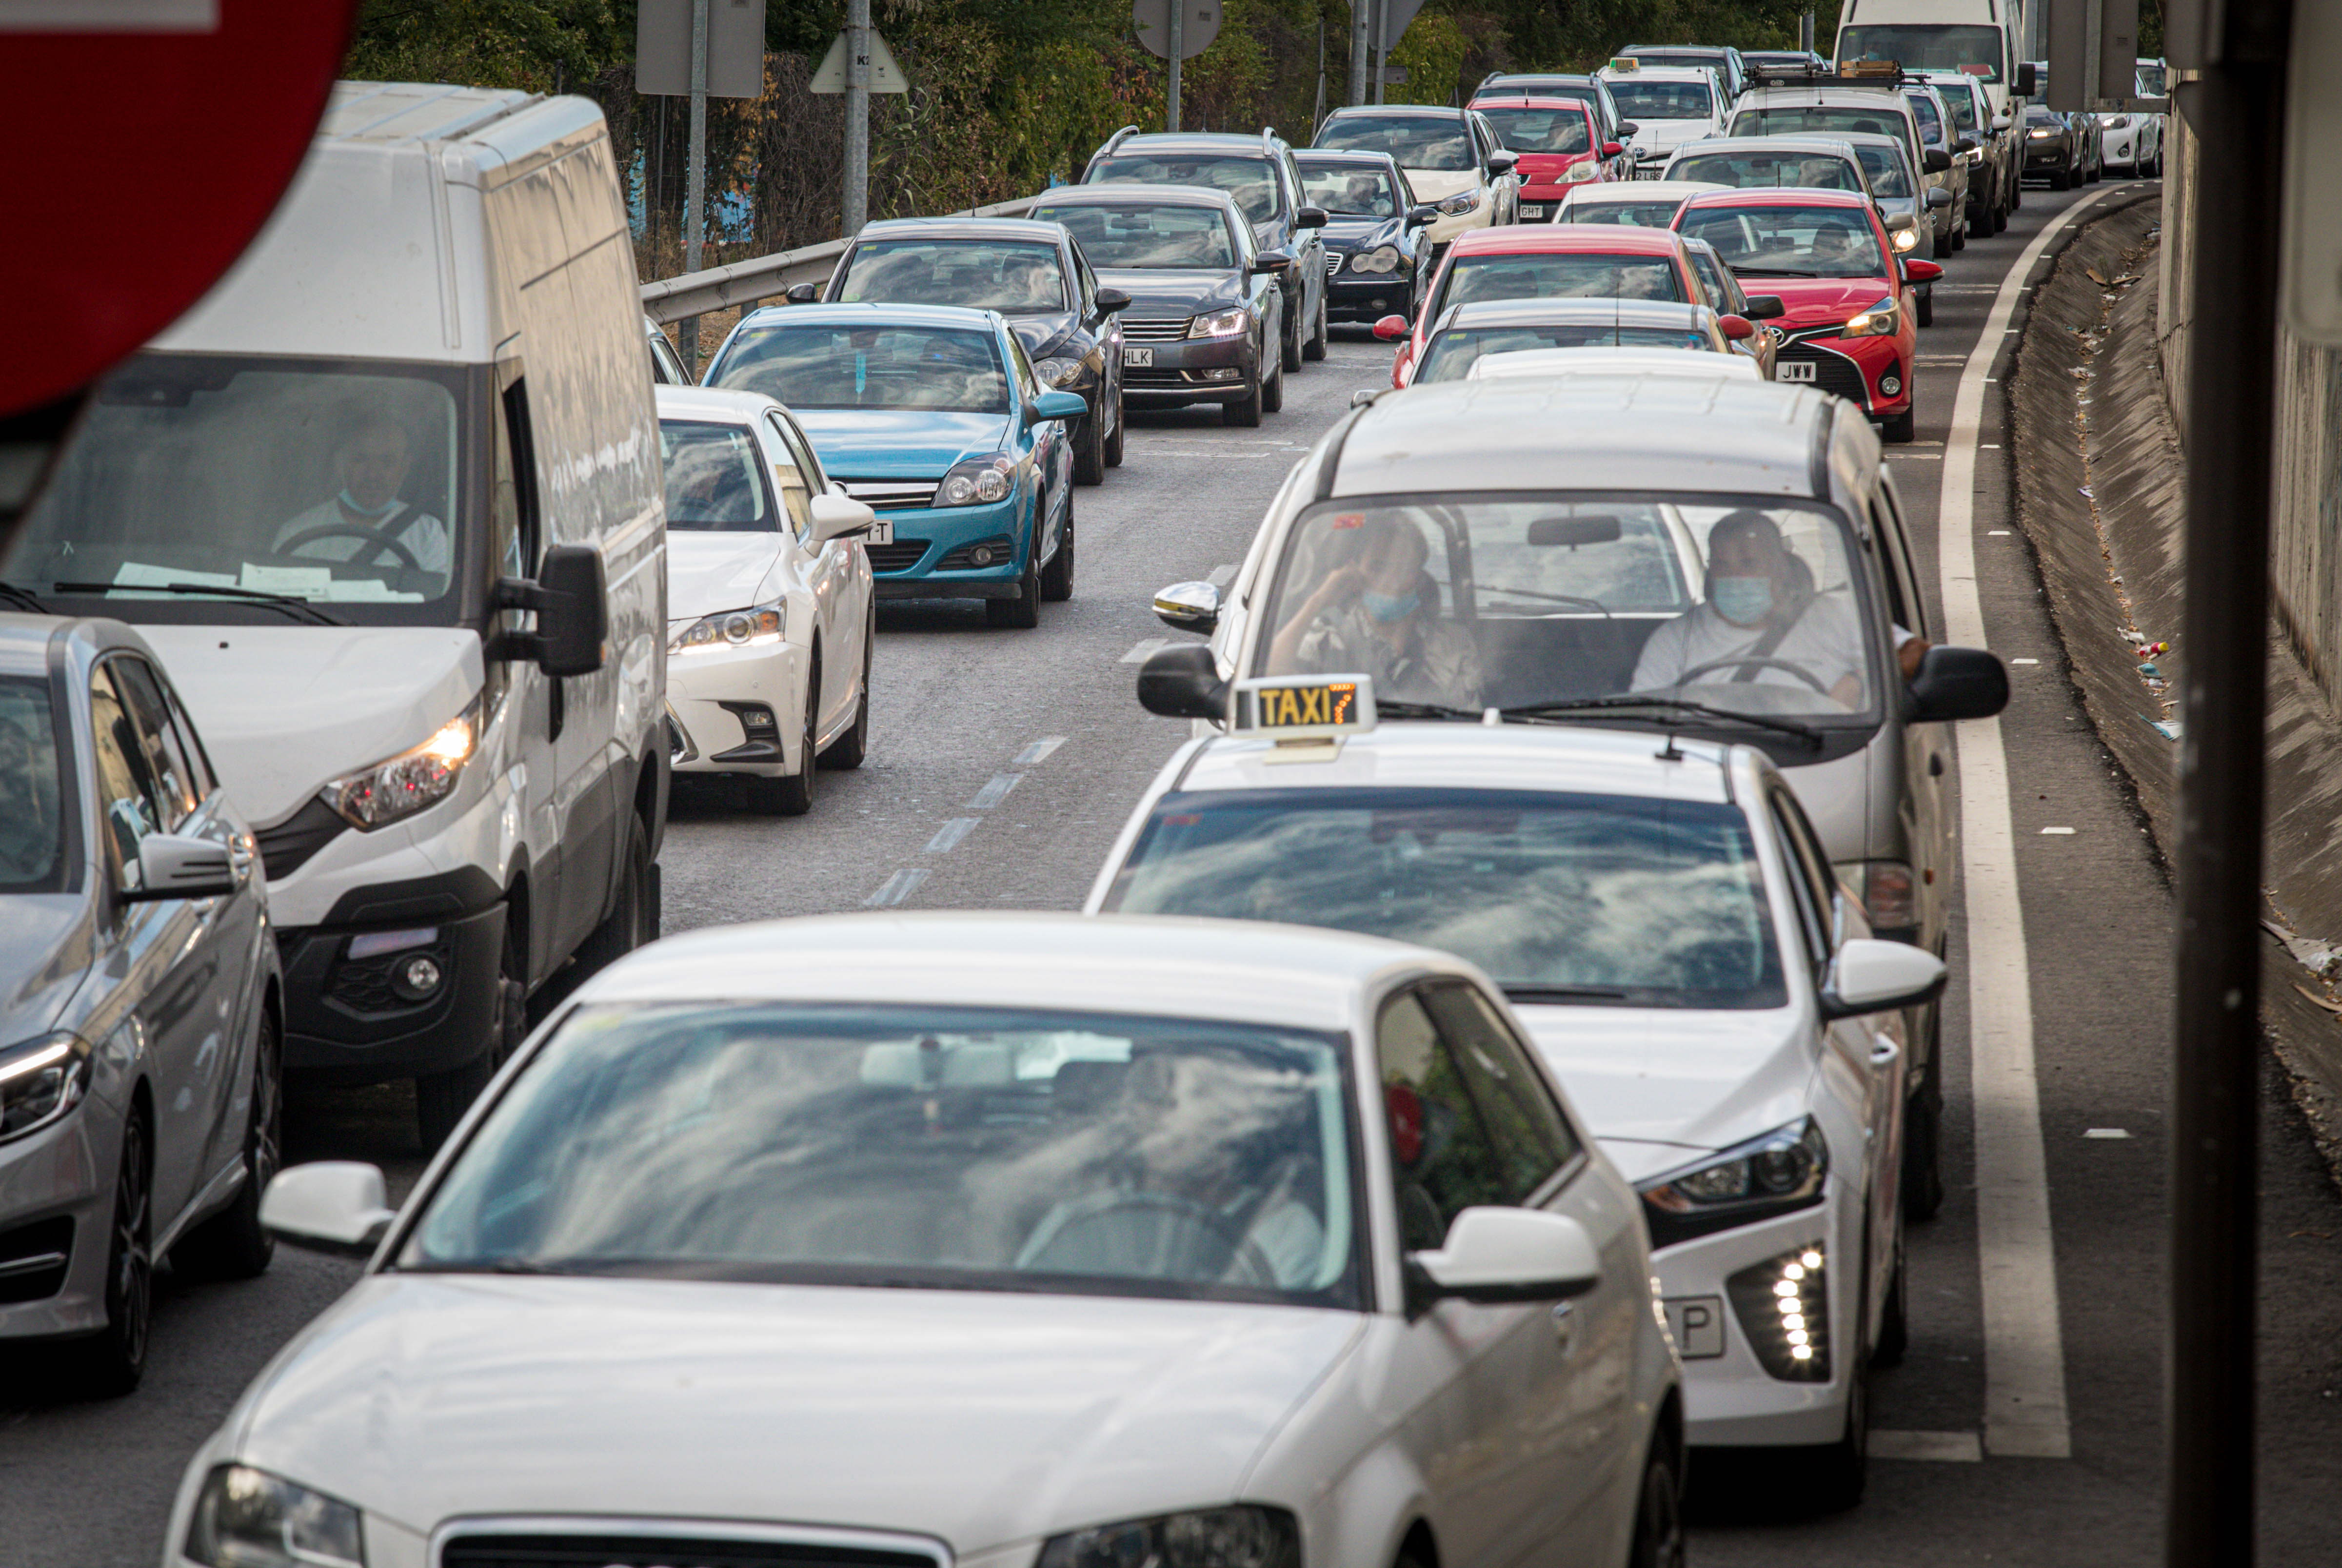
(1738,328)
(1110,300)
(1189,607)
(1958,684)
(1391,327)
(1056,405)
(1311,218)
(1496,1255)
(1873,976)
(571,600)
(839,517)
(181,866)
(1765,307)
(803,293)
(1183,683)
(328,1206)
(1419,217)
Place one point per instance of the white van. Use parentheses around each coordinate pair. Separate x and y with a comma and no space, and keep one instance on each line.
(1984,38)
(389,504)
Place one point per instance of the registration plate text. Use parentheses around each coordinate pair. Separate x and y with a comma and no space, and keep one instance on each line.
(882,532)
(1697,1324)
(1793,369)
(1140,358)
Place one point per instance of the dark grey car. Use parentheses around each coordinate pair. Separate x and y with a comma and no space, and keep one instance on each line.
(139,999)
(1376,262)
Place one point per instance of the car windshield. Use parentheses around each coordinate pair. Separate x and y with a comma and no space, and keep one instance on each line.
(242,489)
(1883,167)
(1925,46)
(714,479)
(897,1145)
(1350,190)
(1804,171)
(984,275)
(1603,899)
(1641,214)
(1477,602)
(1249,179)
(1470,278)
(1543,130)
(31,792)
(845,366)
(1639,99)
(1413,141)
(1789,242)
(1148,236)
(1454,353)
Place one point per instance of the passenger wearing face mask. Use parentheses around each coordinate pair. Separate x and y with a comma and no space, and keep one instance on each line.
(367,523)
(1378,616)
(1760,607)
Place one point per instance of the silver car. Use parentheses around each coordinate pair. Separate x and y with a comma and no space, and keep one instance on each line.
(139,1070)
(1726,560)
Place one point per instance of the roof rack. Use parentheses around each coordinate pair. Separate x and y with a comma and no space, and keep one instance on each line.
(1119,137)
(1872,74)
(1268,140)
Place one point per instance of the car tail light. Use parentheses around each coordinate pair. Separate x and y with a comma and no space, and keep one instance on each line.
(1891,895)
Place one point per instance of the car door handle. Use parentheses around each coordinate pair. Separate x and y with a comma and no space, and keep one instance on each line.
(1562,1323)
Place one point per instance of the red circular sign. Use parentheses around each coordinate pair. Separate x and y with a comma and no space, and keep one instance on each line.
(151,139)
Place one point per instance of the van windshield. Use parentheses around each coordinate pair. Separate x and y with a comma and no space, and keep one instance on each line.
(1927,46)
(249,490)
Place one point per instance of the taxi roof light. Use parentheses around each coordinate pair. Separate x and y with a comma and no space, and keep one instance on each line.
(1304,710)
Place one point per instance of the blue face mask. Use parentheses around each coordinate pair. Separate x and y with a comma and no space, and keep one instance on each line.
(1743,600)
(350,504)
(1389,607)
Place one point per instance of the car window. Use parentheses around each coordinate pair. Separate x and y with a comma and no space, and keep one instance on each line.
(1909,608)
(1532,1138)
(33,802)
(1470,278)
(1349,190)
(1245,177)
(796,484)
(1148,236)
(1443,1161)
(1809,883)
(1026,381)
(1757,169)
(1931,123)
(715,481)
(1013,277)
(819,364)
(808,461)
(173,777)
(1413,141)
(130,799)
(1711,279)
(1789,241)
(1888,174)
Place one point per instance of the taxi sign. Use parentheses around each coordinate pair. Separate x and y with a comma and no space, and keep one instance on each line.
(1305,707)
(1624,63)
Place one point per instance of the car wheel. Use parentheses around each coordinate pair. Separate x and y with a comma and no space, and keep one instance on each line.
(848,750)
(1121,424)
(791,794)
(1288,343)
(233,1244)
(1023,613)
(1245,414)
(1316,347)
(1089,453)
(1901,429)
(1272,391)
(1057,577)
(1659,1513)
(1924,312)
(114,1358)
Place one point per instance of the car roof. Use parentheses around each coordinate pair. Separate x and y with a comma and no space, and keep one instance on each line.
(1558,78)
(1564,239)
(1528,100)
(1835,142)
(1627,432)
(1563,312)
(1780,196)
(964,317)
(1343,155)
(1834,98)
(1126,193)
(1241,970)
(1558,759)
(964,228)
(1639,189)
(1659,74)
(1397,111)
(1191,142)
(723,405)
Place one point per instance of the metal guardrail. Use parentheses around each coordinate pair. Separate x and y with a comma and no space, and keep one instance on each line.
(744,283)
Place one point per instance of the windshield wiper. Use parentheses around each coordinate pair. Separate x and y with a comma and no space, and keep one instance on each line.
(298,608)
(1574,599)
(1806,732)
(23,598)
(1561,993)
(1393,708)
(1770,271)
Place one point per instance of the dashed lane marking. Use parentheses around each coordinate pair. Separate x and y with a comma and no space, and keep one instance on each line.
(1957,1447)
(895,889)
(947,836)
(996,791)
(1038,752)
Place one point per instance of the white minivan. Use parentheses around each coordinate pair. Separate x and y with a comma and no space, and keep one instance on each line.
(388,504)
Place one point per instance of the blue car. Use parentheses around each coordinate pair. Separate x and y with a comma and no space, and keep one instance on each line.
(933,417)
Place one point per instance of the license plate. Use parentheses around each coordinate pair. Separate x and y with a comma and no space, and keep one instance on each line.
(881,533)
(1535,210)
(1138,358)
(1793,369)
(1697,1324)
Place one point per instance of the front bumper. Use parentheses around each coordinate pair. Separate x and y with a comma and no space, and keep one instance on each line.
(1730,1400)
(1188,370)
(2045,160)
(1369,296)
(56,1193)
(345,1020)
(711,694)
(1851,368)
(932,547)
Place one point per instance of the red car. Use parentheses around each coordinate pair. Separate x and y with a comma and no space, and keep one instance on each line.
(1559,143)
(1848,324)
(1553,261)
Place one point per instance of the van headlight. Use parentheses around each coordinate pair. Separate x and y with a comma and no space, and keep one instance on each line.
(732,629)
(1462,202)
(1773,1173)
(1382,258)
(1245,1536)
(977,480)
(1879,320)
(40,1081)
(247,1518)
(413,780)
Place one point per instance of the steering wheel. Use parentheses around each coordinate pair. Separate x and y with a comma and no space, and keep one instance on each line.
(1158,1235)
(351,531)
(1754,661)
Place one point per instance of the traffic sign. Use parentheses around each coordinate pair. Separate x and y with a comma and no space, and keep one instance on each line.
(154,138)
(735,48)
(885,77)
(1199,24)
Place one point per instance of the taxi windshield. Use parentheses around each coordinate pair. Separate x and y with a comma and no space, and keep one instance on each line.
(1413,141)
(1560,897)
(915,1146)
(984,275)
(32,794)
(1349,190)
(817,365)
(1147,237)
(1789,242)
(1542,130)
(1810,171)
(1640,98)
(1471,278)
(1454,353)
(1527,602)
(1247,179)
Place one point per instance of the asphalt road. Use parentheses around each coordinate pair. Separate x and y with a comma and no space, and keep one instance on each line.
(1000,765)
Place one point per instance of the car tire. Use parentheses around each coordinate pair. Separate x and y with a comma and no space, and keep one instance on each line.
(1840,1469)
(1272,391)
(233,1244)
(1244,415)
(1960,229)
(1057,577)
(2016,193)
(1900,429)
(792,794)
(113,1359)
(1923,1140)
(1121,424)
(1924,312)
(847,749)
(1288,341)
(1089,453)
(441,1098)
(1316,347)
(1023,613)
(1659,1512)
(2061,181)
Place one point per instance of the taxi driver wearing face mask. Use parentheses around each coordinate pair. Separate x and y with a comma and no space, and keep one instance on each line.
(1763,623)
(1378,616)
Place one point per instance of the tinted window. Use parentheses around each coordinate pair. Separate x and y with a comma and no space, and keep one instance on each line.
(1789,242)
(176,793)
(1350,190)
(984,275)
(1543,130)
(1640,100)
(819,366)
(1413,141)
(713,483)
(1931,124)
(129,798)
(1811,171)
(1442,1158)
(1249,180)
(31,790)
(1148,236)
(1454,353)
(1470,278)
(1532,1141)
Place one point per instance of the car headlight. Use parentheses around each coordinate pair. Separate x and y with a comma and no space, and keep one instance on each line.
(1907,239)
(1585,170)
(1233,322)
(1245,1536)
(416,779)
(2119,123)
(247,1518)
(2040,131)
(1058,371)
(1781,1171)
(977,480)
(1382,258)
(732,629)
(1880,320)
(1462,202)
(40,1081)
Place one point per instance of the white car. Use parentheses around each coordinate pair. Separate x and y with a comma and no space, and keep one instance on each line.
(1670,105)
(771,619)
(972,1242)
(1638,203)
(1662,918)
(1453,158)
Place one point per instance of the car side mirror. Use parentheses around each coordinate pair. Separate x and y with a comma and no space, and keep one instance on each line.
(1276,263)
(1419,217)
(1765,307)
(1497,1255)
(1183,683)
(2001,122)
(1312,218)
(1917,271)
(181,866)
(839,517)
(1391,327)
(1613,149)
(1056,405)
(1873,976)
(1110,300)
(2028,80)
(1189,607)
(803,293)
(1965,144)
(1957,683)
(1738,328)
(571,600)
(1502,163)
(328,1206)
(1936,160)
(1628,127)
(1896,220)
(1938,197)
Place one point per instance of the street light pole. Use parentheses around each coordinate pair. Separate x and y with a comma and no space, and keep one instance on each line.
(695,178)
(1359,12)
(1178,46)
(854,209)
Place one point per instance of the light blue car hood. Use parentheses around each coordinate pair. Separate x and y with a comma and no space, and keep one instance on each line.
(908,443)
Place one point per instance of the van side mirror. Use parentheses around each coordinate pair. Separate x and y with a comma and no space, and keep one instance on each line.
(572,601)
(1110,300)
(180,865)
(2028,80)
(1957,683)
(1765,307)
(328,1206)
(1936,160)
(803,293)
(1496,1255)
(1183,683)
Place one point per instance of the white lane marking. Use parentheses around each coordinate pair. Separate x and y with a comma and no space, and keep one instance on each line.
(2025,1355)
(1142,651)
(947,836)
(1918,456)
(993,794)
(2106,1132)
(1957,1447)
(2060,832)
(1038,752)
(895,889)
(1221,576)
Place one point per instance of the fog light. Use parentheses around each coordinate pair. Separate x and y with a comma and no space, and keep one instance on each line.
(1223,372)
(1783,1304)
(417,977)
(756,720)
(1890,385)
(981,555)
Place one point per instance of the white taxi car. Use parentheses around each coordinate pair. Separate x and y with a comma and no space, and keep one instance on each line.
(771,619)
(977,1242)
(1662,918)
(1670,105)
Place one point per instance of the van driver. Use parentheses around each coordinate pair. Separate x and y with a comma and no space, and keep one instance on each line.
(367,523)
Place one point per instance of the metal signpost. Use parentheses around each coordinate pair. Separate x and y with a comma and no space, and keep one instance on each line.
(698,49)
(858,63)
(1173,31)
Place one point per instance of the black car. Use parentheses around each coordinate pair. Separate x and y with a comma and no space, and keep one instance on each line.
(1032,273)
(1375,260)
(2053,147)
(1258,174)
(1591,90)
(1206,299)
(1730,69)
